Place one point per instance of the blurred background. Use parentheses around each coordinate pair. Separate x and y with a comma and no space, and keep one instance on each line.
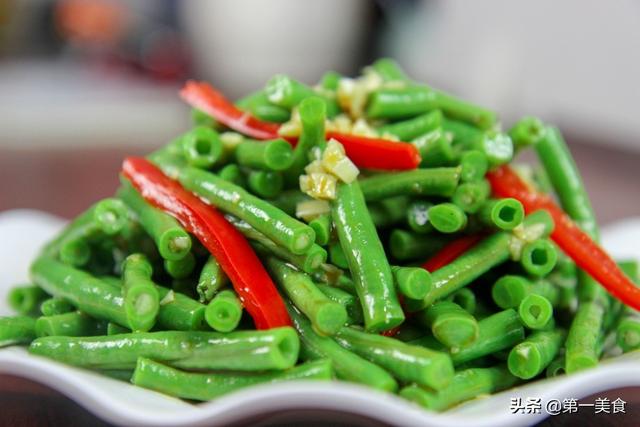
(82,82)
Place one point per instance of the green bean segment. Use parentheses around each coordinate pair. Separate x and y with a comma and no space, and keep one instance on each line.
(224,311)
(241,351)
(450,324)
(533,355)
(419,182)
(17,330)
(26,299)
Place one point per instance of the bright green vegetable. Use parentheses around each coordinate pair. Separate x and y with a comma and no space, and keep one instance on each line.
(242,351)
(347,365)
(583,345)
(53,306)
(265,184)
(17,330)
(141,298)
(419,182)
(533,355)
(233,174)
(72,324)
(501,214)
(405,362)
(261,215)
(411,282)
(201,147)
(450,324)
(312,117)
(323,227)
(412,128)
(526,132)
(418,216)
(405,246)
(447,218)
(465,298)
(535,311)
(389,70)
(326,316)
(470,196)
(26,299)
(346,299)
(473,165)
(465,385)
(202,386)
(172,240)
(510,290)
(286,92)
(539,257)
(275,155)
(367,261)
(180,268)
(435,149)
(212,279)
(224,311)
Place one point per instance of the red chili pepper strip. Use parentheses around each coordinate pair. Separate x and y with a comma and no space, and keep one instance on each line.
(249,278)
(450,252)
(370,153)
(204,97)
(376,153)
(586,253)
(390,332)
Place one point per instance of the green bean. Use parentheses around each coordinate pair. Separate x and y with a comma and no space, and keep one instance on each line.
(470,196)
(405,362)
(312,117)
(274,155)
(104,300)
(486,254)
(389,70)
(465,298)
(535,311)
(465,385)
(106,217)
(260,107)
(501,214)
(200,118)
(201,147)
(115,329)
(203,386)
(347,300)
(242,351)
(539,257)
(418,216)
(450,324)
(53,306)
(72,324)
(233,174)
(337,256)
(435,149)
(447,218)
(412,128)
(411,282)
(583,340)
(628,328)
(26,299)
(172,241)
(260,214)
(181,268)
(497,332)
(473,165)
(347,365)
(288,200)
(526,132)
(308,262)
(533,355)
(266,184)
(510,290)
(323,227)
(212,279)
(286,92)
(141,298)
(17,330)
(396,103)
(224,311)
(388,212)
(556,367)
(330,80)
(367,261)
(419,182)
(326,316)
(408,246)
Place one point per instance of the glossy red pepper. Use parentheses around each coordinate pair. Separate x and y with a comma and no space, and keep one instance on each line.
(583,250)
(238,260)
(370,153)
(450,252)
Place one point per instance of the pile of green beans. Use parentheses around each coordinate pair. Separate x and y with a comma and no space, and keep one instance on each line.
(125,290)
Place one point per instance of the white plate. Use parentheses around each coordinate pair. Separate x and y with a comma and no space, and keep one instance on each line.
(23,232)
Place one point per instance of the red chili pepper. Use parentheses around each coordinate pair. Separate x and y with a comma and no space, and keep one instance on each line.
(204,97)
(390,332)
(376,153)
(577,244)
(450,252)
(370,153)
(249,278)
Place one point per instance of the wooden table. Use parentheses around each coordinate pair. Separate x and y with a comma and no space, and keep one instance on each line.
(65,183)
